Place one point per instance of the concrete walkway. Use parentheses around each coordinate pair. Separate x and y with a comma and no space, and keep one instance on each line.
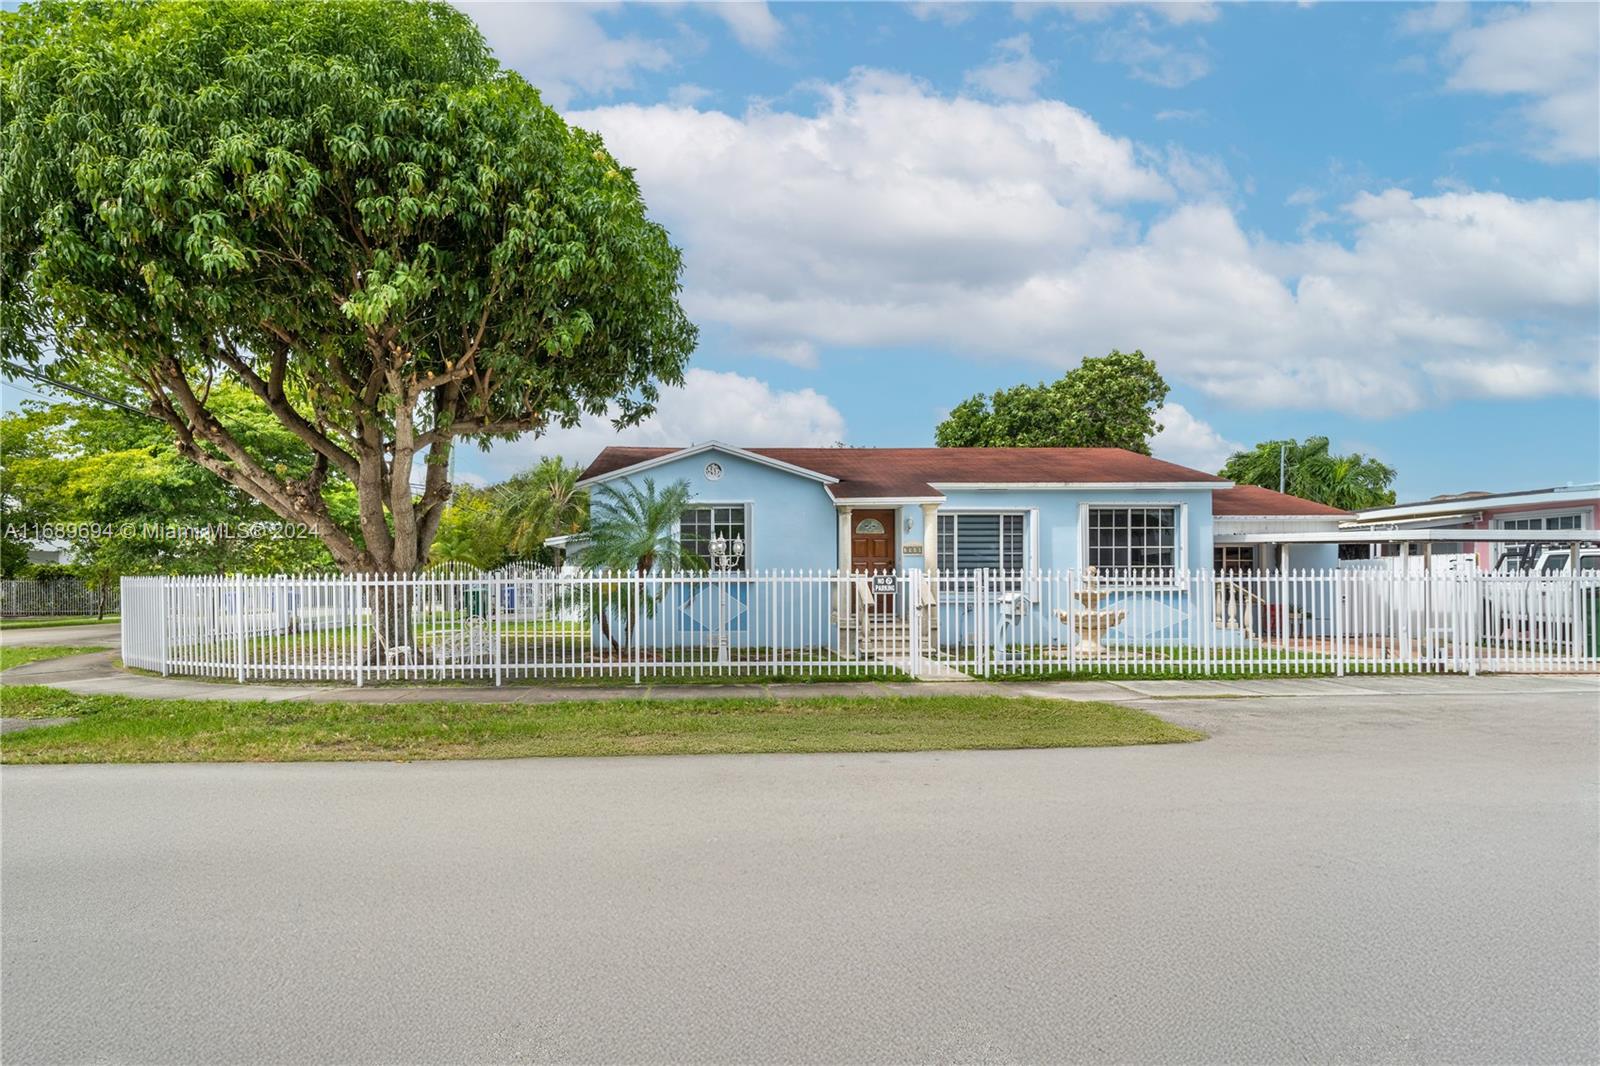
(97,674)
(98,635)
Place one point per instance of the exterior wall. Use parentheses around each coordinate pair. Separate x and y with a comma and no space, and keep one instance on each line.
(1487,552)
(791,520)
(793,525)
(1168,615)
(1060,537)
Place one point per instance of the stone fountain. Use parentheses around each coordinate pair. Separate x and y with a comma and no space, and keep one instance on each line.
(1090,621)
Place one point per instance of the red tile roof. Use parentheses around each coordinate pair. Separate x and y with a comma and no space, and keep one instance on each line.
(1251,500)
(902,472)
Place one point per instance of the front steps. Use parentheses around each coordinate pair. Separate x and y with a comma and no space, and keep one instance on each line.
(889,642)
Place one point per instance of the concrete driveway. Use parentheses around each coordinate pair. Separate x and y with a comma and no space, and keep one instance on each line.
(1356,878)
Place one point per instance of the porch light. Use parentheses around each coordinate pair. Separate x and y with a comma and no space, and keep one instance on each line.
(725,554)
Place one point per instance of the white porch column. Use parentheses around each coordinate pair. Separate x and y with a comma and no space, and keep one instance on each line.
(930,566)
(842,607)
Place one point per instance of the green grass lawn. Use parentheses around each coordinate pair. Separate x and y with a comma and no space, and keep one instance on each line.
(10,657)
(117,729)
(1176,672)
(51,623)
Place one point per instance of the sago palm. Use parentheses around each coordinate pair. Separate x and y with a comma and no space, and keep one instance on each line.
(635,527)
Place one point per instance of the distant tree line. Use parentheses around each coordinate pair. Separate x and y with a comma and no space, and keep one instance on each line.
(1113,401)
(113,488)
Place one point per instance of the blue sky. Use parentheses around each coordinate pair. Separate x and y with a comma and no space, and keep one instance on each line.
(1372,221)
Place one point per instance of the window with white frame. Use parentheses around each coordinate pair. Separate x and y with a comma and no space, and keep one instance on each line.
(1519,558)
(699,525)
(1132,542)
(1555,521)
(989,541)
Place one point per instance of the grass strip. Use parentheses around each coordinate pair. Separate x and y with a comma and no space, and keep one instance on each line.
(121,729)
(16,656)
(53,623)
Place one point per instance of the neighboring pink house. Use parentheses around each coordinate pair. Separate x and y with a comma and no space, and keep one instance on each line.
(1575,507)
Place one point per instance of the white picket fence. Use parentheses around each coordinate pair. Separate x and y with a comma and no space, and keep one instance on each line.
(631,627)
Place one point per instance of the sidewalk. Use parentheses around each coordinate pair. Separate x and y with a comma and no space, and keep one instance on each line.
(95,674)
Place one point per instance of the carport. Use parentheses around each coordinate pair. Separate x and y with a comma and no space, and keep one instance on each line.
(1405,539)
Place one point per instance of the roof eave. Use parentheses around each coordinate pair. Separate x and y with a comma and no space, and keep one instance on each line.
(1076,486)
(1337,516)
(697,449)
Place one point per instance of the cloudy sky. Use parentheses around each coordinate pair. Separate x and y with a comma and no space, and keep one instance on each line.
(1372,221)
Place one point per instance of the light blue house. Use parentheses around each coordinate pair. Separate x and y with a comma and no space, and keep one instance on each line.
(1012,515)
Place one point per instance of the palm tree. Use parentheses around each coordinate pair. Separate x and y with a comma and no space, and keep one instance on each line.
(635,527)
(542,503)
(1352,482)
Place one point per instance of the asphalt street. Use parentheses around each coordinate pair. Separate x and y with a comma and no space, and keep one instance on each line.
(1353,877)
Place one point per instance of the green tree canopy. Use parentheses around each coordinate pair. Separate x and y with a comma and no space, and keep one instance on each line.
(347,209)
(1109,401)
(1353,482)
(473,531)
(119,492)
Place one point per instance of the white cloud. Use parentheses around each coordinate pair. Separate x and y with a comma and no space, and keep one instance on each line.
(1193,11)
(887,187)
(1547,54)
(1197,175)
(893,217)
(1508,378)
(947,12)
(1185,11)
(1436,18)
(689,95)
(710,405)
(567,51)
(1188,441)
(797,353)
(1013,73)
(1179,114)
(1162,63)
(1147,39)
(563,50)
(751,21)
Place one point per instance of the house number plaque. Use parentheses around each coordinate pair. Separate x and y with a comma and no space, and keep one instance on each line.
(910,549)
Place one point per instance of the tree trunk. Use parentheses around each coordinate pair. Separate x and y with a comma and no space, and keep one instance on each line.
(392,607)
(605,630)
(636,592)
(376,452)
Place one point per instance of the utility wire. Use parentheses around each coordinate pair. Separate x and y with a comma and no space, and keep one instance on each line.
(14,370)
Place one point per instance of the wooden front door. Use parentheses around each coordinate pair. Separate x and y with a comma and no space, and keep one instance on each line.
(872,546)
